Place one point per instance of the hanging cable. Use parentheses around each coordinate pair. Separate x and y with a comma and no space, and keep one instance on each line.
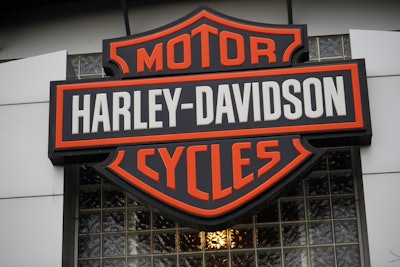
(126,18)
(289,11)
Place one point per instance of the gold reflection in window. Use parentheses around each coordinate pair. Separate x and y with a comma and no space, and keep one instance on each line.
(222,239)
(217,240)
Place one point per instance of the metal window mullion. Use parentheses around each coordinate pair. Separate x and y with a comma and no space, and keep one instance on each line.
(306,223)
(76,217)
(177,244)
(151,238)
(331,210)
(79,67)
(318,51)
(203,245)
(281,232)
(342,43)
(101,219)
(362,232)
(229,245)
(126,230)
(255,239)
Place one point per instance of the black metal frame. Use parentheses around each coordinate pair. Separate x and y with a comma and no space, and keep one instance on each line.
(71,215)
(360,204)
(289,11)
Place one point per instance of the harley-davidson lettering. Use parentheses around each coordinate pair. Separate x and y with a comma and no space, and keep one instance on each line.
(227,103)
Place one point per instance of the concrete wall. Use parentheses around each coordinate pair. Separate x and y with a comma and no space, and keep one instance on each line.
(380,161)
(81,30)
(31,188)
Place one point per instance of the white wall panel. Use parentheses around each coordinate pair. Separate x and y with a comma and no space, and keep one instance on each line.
(28,80)
(31,231)
(337,17)
(380,50)
(383,219)
(380,161)
(383,154)
(31,188)
(383,69)
(26,170)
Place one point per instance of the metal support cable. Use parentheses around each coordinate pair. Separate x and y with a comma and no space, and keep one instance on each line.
(126,18)
(289,11)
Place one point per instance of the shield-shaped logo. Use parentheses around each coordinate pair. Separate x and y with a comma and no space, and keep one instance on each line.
(209,117)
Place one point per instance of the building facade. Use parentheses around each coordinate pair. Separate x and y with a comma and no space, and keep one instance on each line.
(341,213)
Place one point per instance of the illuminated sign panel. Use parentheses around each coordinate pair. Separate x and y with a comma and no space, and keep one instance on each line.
(210,116)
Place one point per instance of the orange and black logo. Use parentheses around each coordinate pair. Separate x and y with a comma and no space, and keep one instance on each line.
(210,116)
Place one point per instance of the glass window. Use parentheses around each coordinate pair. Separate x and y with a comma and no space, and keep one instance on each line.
(331,47)
(314,223)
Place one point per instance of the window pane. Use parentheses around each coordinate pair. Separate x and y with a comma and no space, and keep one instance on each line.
(113,245)
(89,246)
(164,242)
(114,263)
(341,182)
(320,233)
(318,209)
(346,231)
(216,259)
(138,220)
(240,259)
(268,214)
(294,234)
(330,46)
(113,198)
(113,221)
(292,210)
(348,256)
(191,260)
(160,222)
(139,243)
(139,262)
(91,64)
(317,184)
(89,222)
(242,238)
(190,241)
(295,257)
(339,159)
(90,199)
(89,263)
(165,261)
(322,256)
(269,258)
(344,207)
(268,236)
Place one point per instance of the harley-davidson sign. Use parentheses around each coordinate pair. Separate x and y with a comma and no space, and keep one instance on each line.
(210,116)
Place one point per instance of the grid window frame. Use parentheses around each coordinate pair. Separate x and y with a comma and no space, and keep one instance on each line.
(299,236)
